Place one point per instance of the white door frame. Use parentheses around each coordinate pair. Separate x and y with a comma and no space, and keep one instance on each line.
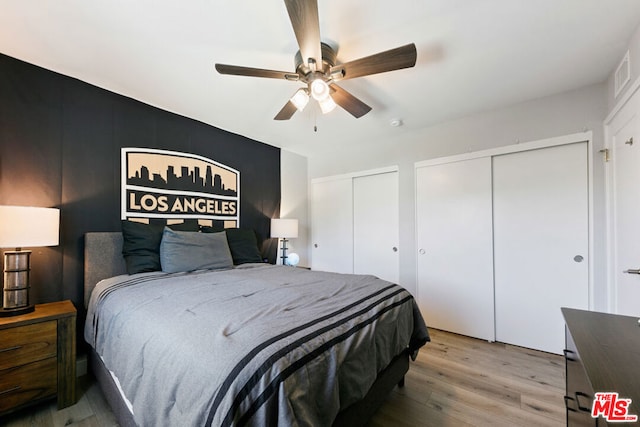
(609,193)
(526,146)
(358,174)
(341,177)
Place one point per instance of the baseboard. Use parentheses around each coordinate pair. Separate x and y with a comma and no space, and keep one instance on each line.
(81,365)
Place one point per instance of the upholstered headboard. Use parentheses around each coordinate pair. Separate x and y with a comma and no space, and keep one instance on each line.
(102,259)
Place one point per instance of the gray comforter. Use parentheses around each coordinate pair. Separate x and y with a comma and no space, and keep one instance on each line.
(255,345)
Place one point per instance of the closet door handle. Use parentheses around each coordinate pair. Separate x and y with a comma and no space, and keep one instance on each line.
(632,271)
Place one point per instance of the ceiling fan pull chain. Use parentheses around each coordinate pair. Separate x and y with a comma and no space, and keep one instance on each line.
(315,120)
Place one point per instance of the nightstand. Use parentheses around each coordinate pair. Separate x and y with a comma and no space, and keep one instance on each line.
(38,357)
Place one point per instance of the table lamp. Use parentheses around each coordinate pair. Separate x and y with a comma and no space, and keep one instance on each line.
(20,227)
(284,229)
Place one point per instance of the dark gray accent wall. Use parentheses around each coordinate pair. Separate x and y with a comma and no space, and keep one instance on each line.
(60,141)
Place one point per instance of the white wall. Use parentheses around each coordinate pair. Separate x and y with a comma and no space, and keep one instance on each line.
(553,116)
(294,201)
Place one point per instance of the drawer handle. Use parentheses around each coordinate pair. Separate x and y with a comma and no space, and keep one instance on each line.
(2,350)
(16,388)
(566,355)
(580,394)
(566,403)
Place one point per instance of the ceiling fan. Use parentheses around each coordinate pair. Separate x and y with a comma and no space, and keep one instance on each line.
(317,68)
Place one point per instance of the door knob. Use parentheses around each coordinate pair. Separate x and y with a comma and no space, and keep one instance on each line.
(395,249)
(578,258)
(632,271)
(422,252)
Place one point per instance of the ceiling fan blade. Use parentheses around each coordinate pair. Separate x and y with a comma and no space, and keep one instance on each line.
(389,60)
(287,111)
(255,72)
(353,105)
(306,25)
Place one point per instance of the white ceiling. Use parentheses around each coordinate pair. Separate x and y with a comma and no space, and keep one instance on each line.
(473,55)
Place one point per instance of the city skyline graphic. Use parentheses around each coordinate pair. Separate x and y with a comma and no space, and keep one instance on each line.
(171,172)
(161,185)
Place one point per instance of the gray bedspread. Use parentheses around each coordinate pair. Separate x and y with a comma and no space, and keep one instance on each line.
(255,345)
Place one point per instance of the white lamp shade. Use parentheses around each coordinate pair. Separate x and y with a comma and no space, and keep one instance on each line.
(319,89)
(284,228)
(327,105)
(300,99)
(25,227)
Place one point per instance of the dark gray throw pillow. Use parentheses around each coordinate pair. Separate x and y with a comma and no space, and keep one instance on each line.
(186,251)
(243,244)
(141,244)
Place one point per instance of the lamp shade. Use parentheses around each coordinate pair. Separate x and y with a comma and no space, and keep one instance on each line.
(300,99)
(23,226)
(284,228)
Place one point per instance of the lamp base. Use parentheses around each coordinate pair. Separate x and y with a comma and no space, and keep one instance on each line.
(8,312)
(284,252)
(15,295)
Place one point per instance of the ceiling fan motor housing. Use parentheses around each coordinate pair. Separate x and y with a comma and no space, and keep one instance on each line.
(329,56)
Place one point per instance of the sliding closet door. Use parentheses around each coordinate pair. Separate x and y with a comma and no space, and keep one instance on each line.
(332,225)
(540,203)
(376,226)
(454,242)
(624,207)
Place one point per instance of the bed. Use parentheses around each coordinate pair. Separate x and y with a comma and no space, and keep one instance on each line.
(255,344)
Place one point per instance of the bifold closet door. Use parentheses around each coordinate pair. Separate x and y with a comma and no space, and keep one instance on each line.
(376,226)
(540,209)
(332,226)
(454,242)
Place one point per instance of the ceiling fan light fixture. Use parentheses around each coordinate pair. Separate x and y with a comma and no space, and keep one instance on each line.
(319,90)
(327,104)
(300,99)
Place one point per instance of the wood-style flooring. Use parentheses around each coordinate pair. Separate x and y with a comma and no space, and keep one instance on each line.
(455,381)
(462,381)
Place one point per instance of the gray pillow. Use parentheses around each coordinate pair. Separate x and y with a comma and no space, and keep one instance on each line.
(188,251)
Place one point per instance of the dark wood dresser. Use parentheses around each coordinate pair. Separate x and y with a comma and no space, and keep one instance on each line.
(602,355)
(38,357)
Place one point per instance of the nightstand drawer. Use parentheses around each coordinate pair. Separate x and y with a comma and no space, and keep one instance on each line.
(26,344)
(28,383)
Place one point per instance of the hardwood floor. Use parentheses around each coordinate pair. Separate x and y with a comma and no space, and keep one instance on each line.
(455,381)
(91,411)
(459,381)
